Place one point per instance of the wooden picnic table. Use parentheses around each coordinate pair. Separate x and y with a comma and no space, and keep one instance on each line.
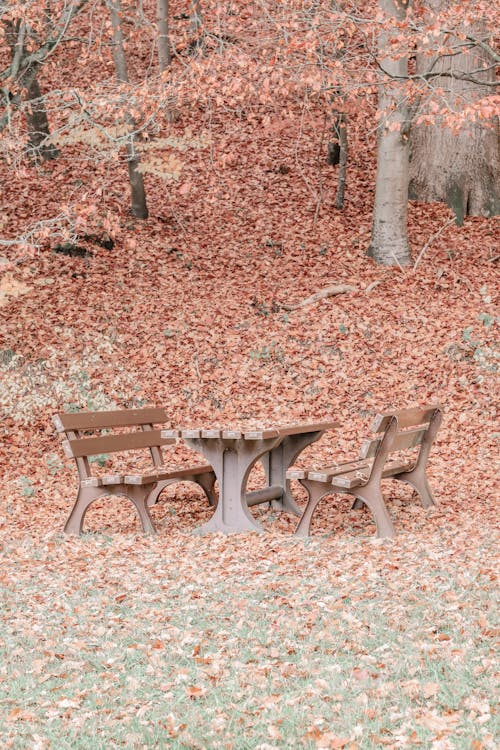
(232,455)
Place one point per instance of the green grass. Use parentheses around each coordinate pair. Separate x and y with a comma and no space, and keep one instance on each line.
(263,643)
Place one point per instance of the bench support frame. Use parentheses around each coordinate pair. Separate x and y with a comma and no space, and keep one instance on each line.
(205,481)
(87,495)
(368,492)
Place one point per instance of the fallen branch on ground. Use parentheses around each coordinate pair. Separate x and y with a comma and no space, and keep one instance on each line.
(329,291)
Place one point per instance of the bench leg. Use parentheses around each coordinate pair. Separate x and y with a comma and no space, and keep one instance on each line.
(315,491)
(153,496)
(205,481)
(371,495)
(86,496)
(207,484)
(139,496)
(417,477)
(418,480)
(277,462)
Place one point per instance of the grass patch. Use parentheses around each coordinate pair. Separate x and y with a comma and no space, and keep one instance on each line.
(269,654)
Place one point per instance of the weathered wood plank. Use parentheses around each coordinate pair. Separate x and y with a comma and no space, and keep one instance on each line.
(101,419)
(402,441)
(406,417)
(92,446)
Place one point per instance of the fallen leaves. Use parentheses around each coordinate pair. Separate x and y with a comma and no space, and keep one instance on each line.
(326,642)
(11,288)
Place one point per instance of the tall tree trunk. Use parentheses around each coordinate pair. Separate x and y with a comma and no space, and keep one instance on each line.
(389,241)
(461,168)
(137,191)
(164,55)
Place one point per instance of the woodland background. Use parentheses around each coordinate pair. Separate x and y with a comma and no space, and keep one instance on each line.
(247,641)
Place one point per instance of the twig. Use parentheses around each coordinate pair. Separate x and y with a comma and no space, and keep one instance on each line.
(329,291)
(431,240)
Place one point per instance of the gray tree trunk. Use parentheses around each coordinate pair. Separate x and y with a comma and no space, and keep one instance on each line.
(137,191)
(164,54)
(461,168)
(389,241)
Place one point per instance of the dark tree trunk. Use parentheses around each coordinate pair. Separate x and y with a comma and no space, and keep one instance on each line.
(38,124)
(460,168)
(138,193)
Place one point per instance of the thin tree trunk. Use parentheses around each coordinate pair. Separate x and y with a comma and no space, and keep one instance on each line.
(137,191)
(38,124)
(341,130)
(460,168)
(195,16)
(195,24)
(164,54)
(36,114)
(389,241)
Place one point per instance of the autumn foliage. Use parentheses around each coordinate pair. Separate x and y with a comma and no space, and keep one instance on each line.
(336,642)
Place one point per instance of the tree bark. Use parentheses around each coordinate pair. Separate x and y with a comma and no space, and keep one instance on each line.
(38,124)
(138,194)
(341,129)
(389,241)
(461,168)
(195,26)
(164,54)
(36,114)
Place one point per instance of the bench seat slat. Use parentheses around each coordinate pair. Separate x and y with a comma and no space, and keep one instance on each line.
(141,479)
(330,472)
(105,480)
(299,429)
(296,474)
(352,479)
(326,473)
(150,478)
(186,471)
(360,476)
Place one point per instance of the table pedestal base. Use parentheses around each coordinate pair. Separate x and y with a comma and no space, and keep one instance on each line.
(232,461)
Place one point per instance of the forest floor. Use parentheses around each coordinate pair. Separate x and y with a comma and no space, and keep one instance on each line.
(247,641)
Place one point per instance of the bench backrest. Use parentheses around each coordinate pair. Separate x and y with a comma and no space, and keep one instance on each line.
(410,428)
(80,446)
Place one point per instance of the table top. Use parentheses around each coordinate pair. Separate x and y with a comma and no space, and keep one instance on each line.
(254,434)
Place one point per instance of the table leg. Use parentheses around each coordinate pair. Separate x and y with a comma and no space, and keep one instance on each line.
(232,461)
(277,462)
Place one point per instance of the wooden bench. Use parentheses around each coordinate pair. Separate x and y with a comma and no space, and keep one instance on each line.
(398,432)
(142,489)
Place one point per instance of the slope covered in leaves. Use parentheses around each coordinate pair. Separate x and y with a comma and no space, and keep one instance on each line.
(246,641)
